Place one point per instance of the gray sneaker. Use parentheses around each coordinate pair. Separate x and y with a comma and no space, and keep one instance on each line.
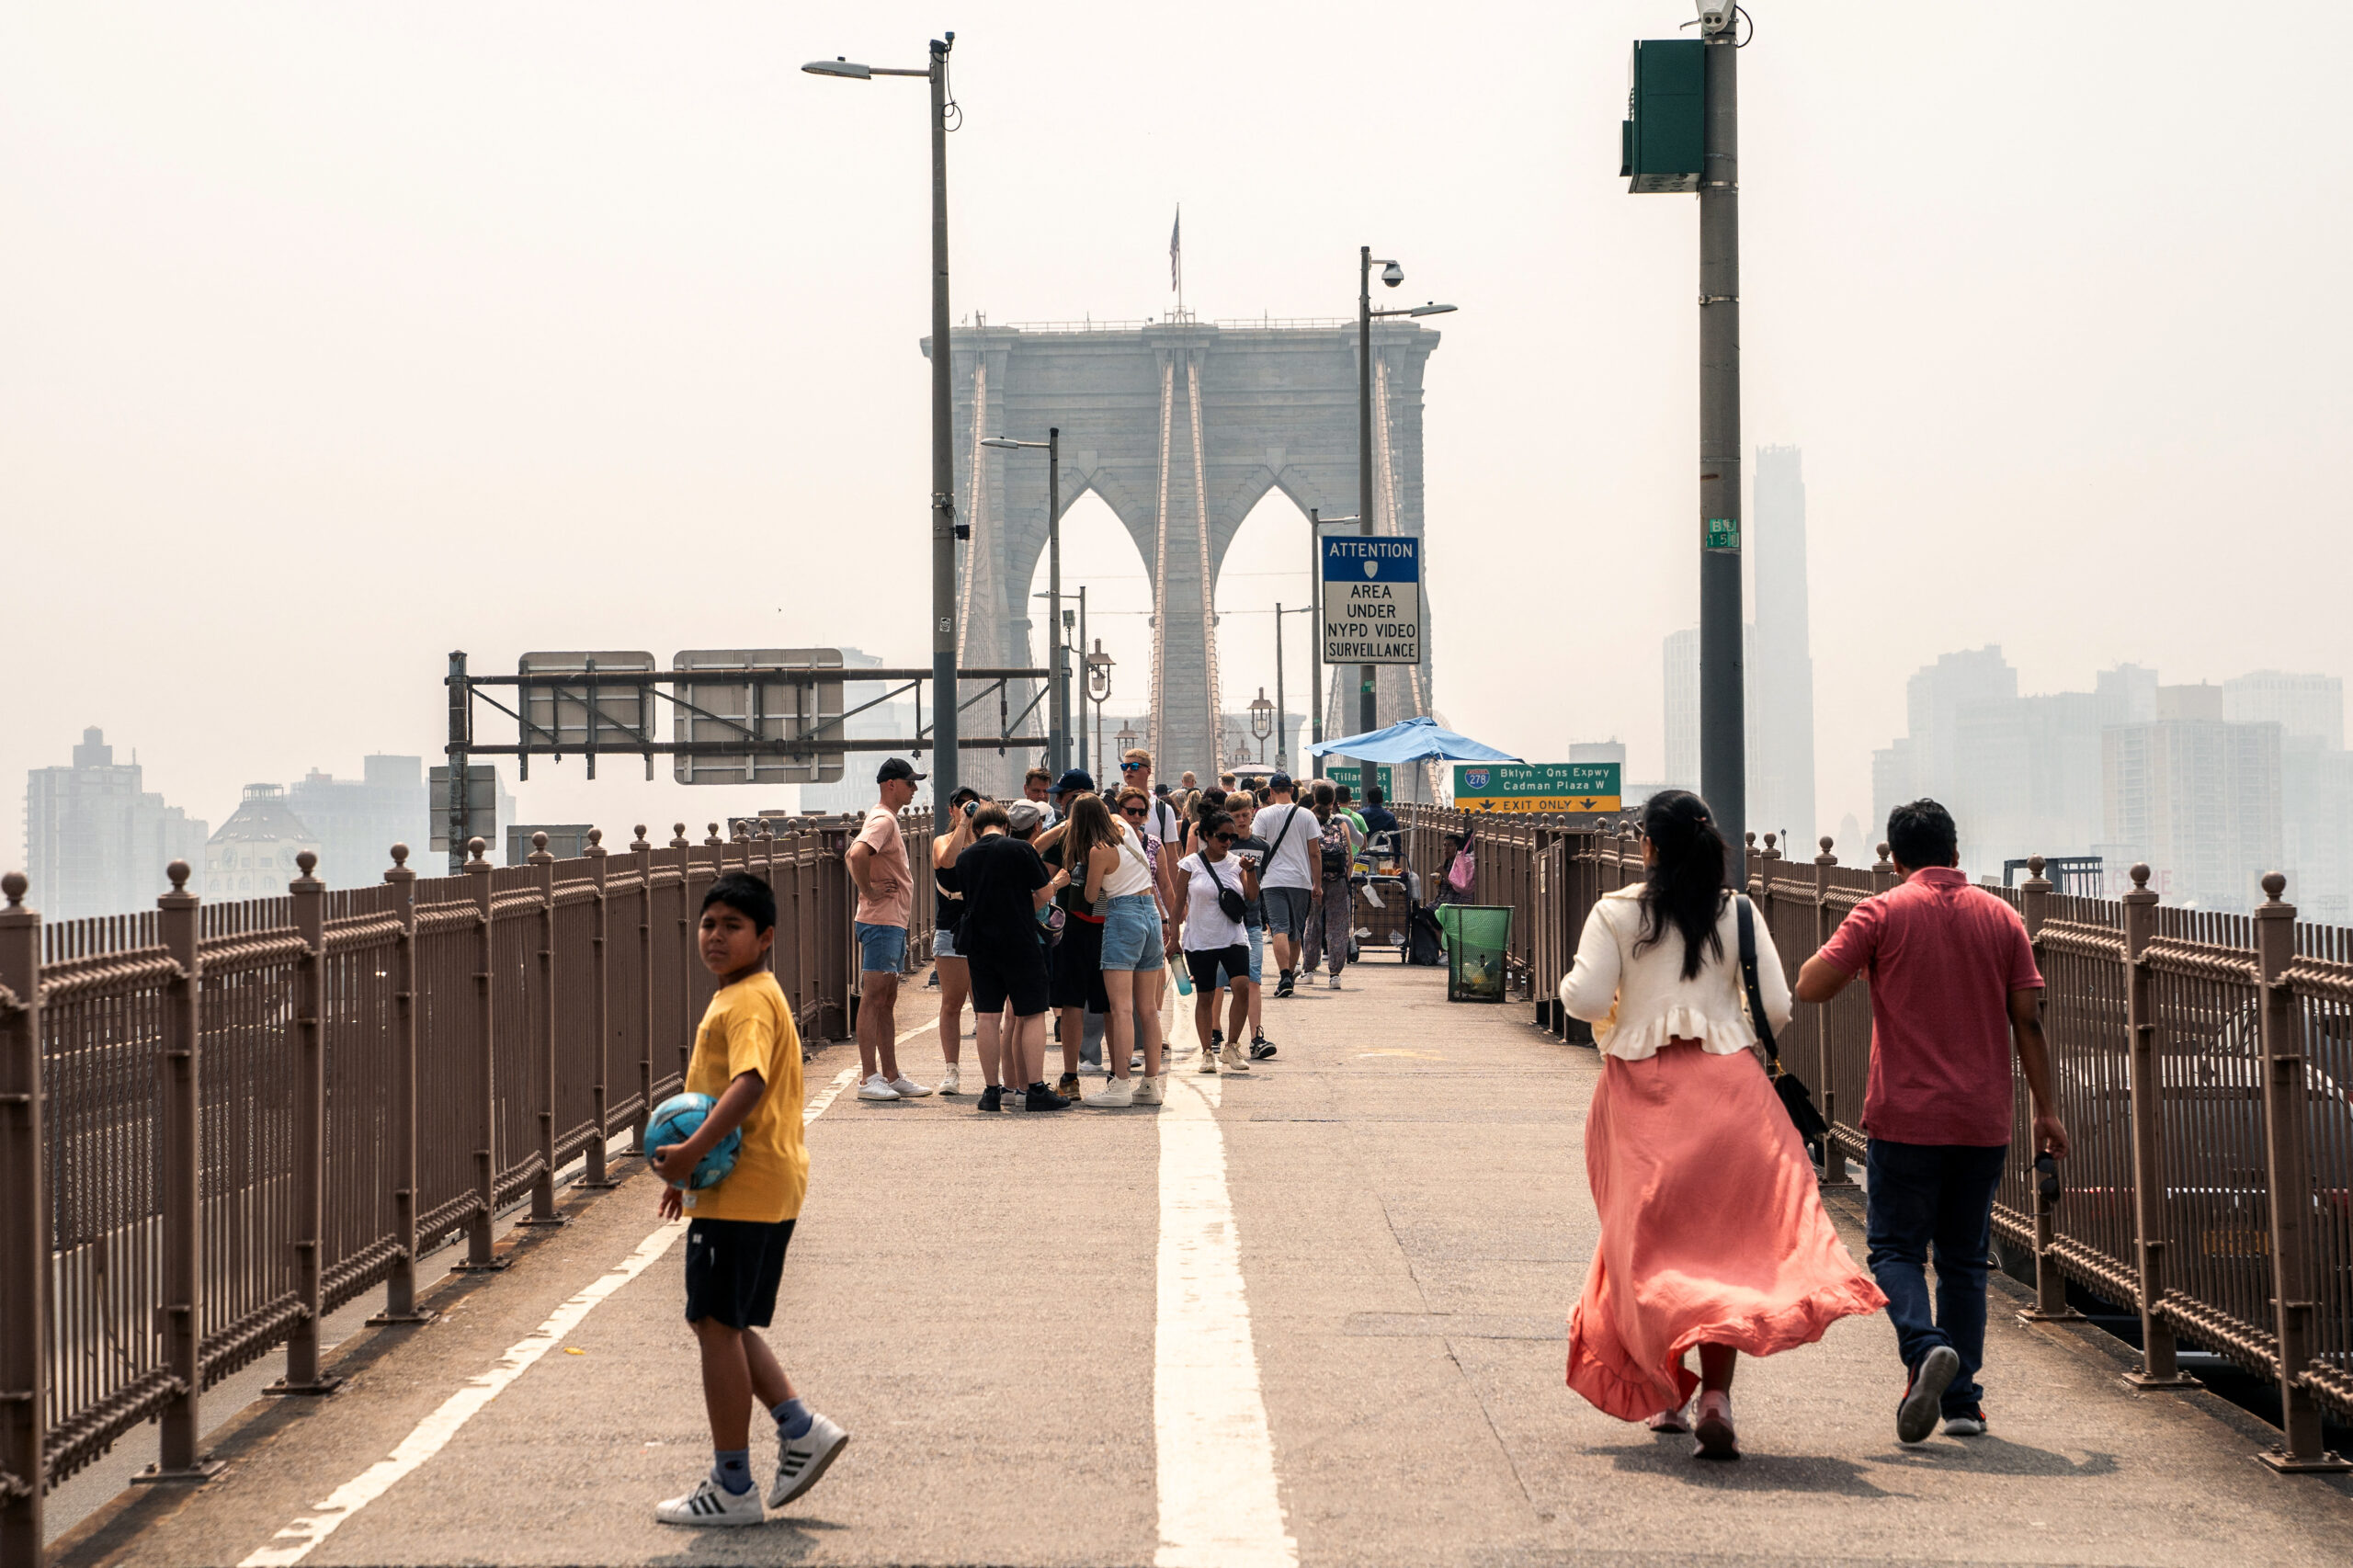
(1924,1400)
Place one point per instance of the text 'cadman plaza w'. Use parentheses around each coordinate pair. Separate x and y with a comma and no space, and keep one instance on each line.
(1372,601)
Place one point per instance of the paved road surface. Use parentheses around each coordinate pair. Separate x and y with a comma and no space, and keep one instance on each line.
(1310,1315)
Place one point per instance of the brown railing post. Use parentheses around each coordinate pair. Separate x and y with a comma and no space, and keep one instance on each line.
(1883,871)
(480,1257)
(24,1234)
(2159,1369)
(2287,1170)
(309,1221)
(642,848)
(180,1196)
(2050,1283)
(1833,1157)
(400,1286)
(598,1174)
(542,1016)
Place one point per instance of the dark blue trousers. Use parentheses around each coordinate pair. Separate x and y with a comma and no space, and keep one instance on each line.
(1941,1196)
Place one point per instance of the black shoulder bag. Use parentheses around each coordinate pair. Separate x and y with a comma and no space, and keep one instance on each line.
(1796,1098)
(1229,900)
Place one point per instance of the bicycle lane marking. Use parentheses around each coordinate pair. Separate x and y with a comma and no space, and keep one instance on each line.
(430,1436)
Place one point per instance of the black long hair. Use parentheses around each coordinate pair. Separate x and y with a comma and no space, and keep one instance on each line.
(1685,886)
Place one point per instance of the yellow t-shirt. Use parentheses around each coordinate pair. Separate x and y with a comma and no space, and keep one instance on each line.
(748,1028)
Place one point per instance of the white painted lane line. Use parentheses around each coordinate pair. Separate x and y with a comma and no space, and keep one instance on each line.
(298,1540)
(1220,1507)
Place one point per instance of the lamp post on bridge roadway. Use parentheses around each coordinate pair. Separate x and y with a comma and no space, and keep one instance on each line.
(1057,714)
(1282,714)
(945,531)
(1392,275)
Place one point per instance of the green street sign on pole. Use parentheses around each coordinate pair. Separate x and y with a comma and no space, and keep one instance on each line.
(1536,786)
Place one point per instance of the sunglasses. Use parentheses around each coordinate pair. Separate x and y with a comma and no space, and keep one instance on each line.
(2047,1174)
(1221,838)
(1136,811)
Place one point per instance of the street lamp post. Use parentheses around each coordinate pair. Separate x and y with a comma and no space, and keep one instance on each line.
(1392,275)
(1262,713)
(1057,714)
(944,528)
(1282,712)
(1098,686)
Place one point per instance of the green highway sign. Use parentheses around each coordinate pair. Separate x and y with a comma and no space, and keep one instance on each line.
(1536,786)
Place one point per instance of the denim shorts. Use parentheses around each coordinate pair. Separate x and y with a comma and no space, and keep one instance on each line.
(943,944)
(1131,936)
(1257,951)
(881,949)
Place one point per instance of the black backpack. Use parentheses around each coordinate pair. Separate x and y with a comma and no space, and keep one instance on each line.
(1336,849)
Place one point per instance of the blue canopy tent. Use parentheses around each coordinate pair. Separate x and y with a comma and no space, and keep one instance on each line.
(1413,740)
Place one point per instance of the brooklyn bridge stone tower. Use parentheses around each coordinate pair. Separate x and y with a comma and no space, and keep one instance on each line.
(1181,427)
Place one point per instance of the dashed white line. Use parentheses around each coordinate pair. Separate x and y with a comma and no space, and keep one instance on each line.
(430,1436)
(1220,1506)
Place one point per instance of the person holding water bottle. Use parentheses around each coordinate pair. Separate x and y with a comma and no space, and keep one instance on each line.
(1218,891)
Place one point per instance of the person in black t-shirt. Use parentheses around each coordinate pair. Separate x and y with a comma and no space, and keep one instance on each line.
(1004,885)
(947,912)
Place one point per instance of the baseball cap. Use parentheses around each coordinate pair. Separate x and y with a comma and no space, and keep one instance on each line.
(1280,781)
(1076,781)
(897,768)
(1024,815)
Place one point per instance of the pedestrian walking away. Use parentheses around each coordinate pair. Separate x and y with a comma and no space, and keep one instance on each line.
(1075,964)
(1714,1236)
(1006,886)
(1333,919)
(1215,943)
(878,865)
(1954,991)
(1289,875)
(746,1057)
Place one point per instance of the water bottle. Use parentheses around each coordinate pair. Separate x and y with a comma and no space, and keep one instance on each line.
(1184,980)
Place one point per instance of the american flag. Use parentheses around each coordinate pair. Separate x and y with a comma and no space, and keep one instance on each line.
(1176,248)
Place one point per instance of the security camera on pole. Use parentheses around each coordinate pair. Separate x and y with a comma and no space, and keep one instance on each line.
(1682,134)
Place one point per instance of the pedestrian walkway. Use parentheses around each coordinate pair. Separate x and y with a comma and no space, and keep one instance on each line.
(1310,1313)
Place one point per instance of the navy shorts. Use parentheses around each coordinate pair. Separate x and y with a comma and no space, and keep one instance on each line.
(733,1267)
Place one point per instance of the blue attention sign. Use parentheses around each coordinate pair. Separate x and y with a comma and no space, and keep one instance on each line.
(1372,600)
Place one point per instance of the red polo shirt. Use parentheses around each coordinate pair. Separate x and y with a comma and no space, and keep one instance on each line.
(1942,959)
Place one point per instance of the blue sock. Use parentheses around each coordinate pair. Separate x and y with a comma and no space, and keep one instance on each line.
(794,1419)
(734,1470)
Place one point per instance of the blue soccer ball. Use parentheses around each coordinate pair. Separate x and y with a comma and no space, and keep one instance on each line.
(675,1120)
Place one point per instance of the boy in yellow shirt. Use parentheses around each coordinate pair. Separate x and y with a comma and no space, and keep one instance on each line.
(746,1057)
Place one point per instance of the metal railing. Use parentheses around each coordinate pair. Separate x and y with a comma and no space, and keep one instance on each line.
(221,1122)
(2203,1065)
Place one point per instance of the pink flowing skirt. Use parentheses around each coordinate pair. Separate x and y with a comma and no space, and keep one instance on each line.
(1713,1231)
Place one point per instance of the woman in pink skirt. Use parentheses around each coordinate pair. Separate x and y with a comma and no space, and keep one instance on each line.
(1712,1233)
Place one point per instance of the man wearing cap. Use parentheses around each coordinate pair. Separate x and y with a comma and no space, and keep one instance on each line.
(1163,821)
(886,888)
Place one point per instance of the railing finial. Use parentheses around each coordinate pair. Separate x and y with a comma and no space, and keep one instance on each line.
(475,848)
(2273,884)
(399,854)
(177,871)
(2140,876)
(596,835)
(14,885)
(539,841)
(305,861)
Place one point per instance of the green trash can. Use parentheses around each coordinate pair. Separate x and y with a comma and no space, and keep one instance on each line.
(1477,937)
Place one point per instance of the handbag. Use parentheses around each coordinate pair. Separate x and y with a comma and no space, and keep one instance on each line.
(1229,899)
(1796,1098)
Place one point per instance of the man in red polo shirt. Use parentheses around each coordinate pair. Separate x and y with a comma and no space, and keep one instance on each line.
(1953,987)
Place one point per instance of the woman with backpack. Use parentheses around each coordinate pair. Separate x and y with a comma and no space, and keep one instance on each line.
(1713,1233)
(1331,925)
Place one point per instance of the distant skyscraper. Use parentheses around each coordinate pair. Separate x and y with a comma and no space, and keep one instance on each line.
(2196,797)
(2301,705)
(1780,653)
(357,821)
(95,842)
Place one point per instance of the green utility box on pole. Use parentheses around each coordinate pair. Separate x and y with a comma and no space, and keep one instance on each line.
(1664,135)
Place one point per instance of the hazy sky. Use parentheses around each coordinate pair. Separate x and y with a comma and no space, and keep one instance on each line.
(339,337)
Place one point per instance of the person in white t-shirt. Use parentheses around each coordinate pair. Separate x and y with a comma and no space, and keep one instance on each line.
(1215,941)
(1163,821)
(1289,874)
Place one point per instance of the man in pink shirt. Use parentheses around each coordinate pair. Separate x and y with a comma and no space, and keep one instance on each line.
(1953,987)
(886,895)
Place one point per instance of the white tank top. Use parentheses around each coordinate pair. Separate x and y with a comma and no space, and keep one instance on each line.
(1132,874)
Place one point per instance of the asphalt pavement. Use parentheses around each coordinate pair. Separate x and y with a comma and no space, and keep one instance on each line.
(1312,1313)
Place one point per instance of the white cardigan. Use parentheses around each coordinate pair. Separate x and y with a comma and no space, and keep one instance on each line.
(1636,1004)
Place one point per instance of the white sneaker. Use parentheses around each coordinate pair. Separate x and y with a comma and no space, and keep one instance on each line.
(874,1088)
(1208,1063)
(712,1503)
(951,1082)
(1233,1060)
(800,1461)
(1152,1090)
(1117,1095)
(907,1088)
(1335,982)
